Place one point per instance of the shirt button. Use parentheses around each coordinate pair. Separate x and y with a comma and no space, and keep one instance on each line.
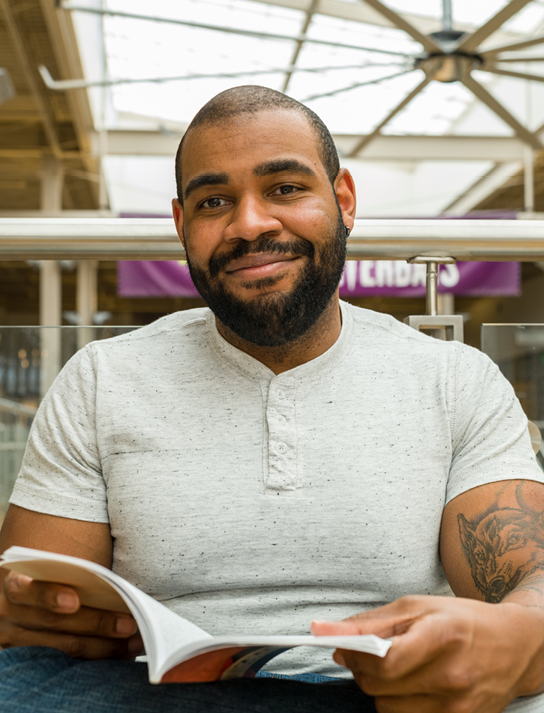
(280,418)
(281,447)
(280,395)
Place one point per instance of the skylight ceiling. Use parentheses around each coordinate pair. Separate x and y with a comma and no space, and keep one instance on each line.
(352,72)
(357,81)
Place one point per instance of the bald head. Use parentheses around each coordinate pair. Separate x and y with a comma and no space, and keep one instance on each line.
(250,100)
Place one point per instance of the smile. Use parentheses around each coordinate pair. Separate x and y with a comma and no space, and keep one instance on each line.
(260,265)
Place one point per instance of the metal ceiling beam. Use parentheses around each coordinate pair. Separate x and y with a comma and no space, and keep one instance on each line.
(226,30)
(482,188)
(440,148)
(156,239)
(294,58)
(399,22)
(471,43)
(485,97)
(37,153)
(27,69)
(360,12)
(64,42)
(382,148)
(370,137)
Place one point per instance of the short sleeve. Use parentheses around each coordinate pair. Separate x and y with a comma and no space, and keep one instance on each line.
(489,432)
(61,472)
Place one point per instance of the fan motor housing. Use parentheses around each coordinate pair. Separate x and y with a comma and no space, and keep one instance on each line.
(448,67)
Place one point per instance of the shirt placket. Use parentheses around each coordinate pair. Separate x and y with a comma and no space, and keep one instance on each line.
(282,439)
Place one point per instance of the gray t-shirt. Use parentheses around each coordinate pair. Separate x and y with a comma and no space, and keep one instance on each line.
(250,502)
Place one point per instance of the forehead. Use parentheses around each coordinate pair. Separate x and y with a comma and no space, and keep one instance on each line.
(244,142)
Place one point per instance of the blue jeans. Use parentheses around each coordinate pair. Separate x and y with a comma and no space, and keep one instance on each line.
(41,680)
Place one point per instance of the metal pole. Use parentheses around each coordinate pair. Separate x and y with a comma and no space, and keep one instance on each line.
(52,180)
(87,300)
(432,288)
(528,159)
(447,20)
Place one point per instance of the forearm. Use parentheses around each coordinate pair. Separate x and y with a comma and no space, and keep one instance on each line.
(529,594)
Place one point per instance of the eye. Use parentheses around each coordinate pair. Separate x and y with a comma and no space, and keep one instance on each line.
(513,540)
(214,203)
(286,190)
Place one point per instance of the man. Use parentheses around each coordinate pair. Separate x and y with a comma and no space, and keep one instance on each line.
(277,459)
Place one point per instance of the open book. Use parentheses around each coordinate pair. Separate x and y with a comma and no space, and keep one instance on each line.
(177,650)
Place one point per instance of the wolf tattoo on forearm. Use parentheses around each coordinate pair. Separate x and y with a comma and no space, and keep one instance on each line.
(492,545)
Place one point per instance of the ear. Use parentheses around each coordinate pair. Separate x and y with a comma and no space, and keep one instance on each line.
(177,212)
(466,533)
(344,187)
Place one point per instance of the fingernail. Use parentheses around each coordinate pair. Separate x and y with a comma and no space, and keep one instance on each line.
(67,600)
(135,646)
(126,626)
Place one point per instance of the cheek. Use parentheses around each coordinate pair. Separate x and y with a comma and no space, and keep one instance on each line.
(201,243)
(311,218)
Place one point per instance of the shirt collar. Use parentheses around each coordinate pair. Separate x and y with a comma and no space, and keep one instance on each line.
(257,370)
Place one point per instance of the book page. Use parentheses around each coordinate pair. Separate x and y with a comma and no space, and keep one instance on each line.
(163,631)
(226,657)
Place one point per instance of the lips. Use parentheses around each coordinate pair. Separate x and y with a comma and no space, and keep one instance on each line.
(256,261)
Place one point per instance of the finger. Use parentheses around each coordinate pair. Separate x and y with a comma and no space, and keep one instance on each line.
(391,619)
(83,647)
(87,621)
(418,661)
(386,628)
(20,589)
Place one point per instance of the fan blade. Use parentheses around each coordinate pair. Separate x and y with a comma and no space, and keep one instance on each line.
(398,21)
(227,30)
(470,43)
(508,73)
(484,96)
(529,42)
(365,140)
(508,60)
(355,86)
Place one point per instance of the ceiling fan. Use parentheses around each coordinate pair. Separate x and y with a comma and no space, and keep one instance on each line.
(449,55)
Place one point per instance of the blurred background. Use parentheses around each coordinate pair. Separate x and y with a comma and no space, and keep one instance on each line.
(436,107)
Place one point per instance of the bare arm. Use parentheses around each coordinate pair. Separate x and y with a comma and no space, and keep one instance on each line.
(477,652)
(40,614)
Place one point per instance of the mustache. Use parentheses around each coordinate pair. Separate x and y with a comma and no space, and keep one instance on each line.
(297,247)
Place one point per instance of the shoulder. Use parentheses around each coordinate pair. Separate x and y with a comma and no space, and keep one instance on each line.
(403,346)
(180,328)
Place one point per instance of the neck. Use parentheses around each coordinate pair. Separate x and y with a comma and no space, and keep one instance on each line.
(315,342)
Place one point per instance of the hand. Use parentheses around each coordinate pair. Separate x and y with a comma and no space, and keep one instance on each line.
(448,655)
(36,613)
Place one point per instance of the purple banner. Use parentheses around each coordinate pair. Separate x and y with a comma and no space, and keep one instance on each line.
(367,278)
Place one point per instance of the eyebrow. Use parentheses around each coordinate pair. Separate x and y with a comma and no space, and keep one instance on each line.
(205,179)
(282,165)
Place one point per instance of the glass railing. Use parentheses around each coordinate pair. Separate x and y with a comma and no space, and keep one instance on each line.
(30,359)
(518,351)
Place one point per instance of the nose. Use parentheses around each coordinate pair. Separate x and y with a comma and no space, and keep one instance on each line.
(250,219)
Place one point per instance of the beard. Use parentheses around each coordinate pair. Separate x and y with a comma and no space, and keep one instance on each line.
(278,318)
